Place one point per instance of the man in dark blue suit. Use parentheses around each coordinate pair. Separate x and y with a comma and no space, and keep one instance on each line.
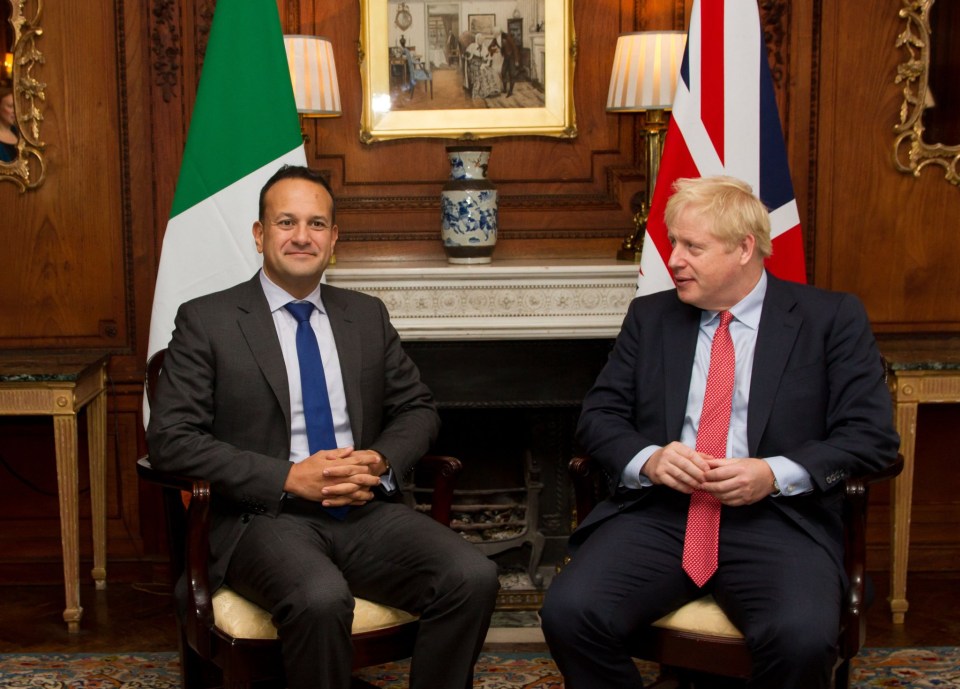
(809,408)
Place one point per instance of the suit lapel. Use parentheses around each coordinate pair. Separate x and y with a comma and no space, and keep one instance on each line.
(779,327)
(679,349)
(256,324)
(347,339)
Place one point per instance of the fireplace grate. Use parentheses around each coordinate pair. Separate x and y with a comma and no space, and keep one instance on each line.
(499,518)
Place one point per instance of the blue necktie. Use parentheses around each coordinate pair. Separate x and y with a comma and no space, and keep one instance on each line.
(313,384)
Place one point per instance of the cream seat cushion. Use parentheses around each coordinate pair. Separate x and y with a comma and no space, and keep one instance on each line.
(241,619)
(701,616)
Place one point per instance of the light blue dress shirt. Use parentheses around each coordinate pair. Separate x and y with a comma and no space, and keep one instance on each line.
(286,326)
(792,478)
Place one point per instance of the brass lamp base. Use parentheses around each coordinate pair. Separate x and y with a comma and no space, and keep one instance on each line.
(653,131)
(632,246)
(630,250)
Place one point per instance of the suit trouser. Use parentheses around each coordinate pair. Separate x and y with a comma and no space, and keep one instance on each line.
(305,567)
(777,585)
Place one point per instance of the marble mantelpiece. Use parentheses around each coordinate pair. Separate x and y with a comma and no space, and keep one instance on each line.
(503,300)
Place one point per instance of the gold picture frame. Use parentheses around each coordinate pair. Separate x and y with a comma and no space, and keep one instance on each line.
(556,46)
(28,169)
(911,152)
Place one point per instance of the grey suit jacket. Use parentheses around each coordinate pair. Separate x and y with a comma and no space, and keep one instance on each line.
(817,396)
(222,406)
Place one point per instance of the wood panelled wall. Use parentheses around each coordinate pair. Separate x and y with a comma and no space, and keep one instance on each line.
(80,253)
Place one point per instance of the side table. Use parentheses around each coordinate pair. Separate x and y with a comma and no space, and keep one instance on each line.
(60,385)
(918,372)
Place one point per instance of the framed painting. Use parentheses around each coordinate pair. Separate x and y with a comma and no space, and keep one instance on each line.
(481,23)
(458,69)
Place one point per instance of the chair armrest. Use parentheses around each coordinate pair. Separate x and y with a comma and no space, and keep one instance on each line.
(189,534)
(589,485)
(444,471)
(855,554)
(200,619)
(146,471)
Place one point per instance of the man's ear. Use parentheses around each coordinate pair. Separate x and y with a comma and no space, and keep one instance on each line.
(748,245)
(258,235)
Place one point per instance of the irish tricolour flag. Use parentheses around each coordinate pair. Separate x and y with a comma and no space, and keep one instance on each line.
(244,127)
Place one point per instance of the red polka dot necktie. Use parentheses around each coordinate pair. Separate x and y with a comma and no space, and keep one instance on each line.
(703,517)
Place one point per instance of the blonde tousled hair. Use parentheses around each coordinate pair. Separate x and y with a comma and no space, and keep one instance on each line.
(730,205)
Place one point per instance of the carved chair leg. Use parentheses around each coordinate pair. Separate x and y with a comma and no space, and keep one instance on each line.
(841,677)
(192,667)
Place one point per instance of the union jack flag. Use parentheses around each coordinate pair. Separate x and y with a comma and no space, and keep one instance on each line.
(725,122)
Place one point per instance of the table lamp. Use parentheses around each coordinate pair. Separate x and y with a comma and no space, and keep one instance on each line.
(644,79)
(313,74)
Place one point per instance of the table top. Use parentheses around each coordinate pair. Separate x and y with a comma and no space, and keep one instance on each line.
(922,354)
(37,367)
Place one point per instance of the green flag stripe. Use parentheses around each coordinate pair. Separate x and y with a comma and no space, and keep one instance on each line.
(245,114)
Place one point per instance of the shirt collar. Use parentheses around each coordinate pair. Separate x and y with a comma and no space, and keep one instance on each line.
(277,297)
(748,309)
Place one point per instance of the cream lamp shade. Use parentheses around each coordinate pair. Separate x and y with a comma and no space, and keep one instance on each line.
(645,70)
(313,74)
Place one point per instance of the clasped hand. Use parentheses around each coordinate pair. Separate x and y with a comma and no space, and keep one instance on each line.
(338,477)
(732,481)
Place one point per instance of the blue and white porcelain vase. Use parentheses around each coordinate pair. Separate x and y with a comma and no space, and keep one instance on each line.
(469,206)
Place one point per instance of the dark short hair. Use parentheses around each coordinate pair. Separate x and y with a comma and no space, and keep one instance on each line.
(298,172)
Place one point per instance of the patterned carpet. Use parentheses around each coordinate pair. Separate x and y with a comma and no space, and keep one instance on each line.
(918,668)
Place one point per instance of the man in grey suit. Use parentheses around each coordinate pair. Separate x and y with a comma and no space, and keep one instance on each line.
(229,408)
(807,407)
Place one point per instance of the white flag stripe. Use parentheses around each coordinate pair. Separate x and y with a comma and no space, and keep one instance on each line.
(784,218)
(698,141)
(694,60)
(741,120)
(208,261)
(656,276)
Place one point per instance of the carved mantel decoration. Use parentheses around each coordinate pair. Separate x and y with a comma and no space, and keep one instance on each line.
(910,152)
(503,300)
(28,95)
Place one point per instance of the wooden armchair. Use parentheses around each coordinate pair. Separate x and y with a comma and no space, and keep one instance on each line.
(227,640)
(699,640)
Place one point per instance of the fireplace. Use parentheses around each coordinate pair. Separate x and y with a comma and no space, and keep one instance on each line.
(509,410)
(509,350)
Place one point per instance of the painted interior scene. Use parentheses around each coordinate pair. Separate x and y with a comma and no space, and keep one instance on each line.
(461,55)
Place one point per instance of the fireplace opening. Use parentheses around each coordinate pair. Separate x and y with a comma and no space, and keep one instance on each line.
(509,410)
(513,499)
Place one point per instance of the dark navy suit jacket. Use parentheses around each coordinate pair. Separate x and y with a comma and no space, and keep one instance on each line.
(817,396)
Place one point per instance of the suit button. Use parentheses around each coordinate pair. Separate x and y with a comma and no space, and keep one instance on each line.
(245,518)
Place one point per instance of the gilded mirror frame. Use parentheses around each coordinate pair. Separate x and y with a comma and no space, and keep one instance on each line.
(29,169)
(910,152)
